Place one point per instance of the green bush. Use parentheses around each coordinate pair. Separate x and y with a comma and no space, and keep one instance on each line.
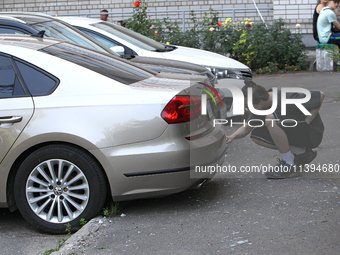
(271,68)
(335,55)
(140,20)
(256,45)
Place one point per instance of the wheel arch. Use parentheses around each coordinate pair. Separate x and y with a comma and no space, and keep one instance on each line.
(15,166)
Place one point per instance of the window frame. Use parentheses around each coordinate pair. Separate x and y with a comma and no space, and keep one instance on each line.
(22,83)
(38,69)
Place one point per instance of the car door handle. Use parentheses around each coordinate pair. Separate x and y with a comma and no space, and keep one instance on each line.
(13,119)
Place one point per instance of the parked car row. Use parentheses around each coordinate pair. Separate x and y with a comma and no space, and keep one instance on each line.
(136,47)
(78,124)
(129,44)
(44,25)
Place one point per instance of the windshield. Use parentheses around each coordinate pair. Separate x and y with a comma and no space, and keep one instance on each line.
(105,64)
(130,36)
(60,30)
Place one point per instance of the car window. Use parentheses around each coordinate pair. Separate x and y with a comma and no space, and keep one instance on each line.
(4,30)
(7,77)
(58,30)
(9,83)
(104,64)
(108,42)
(101,39)
(38,82)
(130,36)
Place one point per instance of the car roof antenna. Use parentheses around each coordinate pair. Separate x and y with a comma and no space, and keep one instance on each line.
(40,34)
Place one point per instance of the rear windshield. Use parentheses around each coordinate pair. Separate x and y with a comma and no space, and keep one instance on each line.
(105,64)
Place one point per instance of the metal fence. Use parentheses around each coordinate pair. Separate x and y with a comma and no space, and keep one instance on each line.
(184,15)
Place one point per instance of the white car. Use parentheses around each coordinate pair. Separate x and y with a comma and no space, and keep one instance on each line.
(129,43)
(44,25)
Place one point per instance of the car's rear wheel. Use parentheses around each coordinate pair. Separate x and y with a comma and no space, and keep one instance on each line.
(57,186)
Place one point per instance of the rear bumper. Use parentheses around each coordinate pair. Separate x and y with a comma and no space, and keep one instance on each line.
(161,166)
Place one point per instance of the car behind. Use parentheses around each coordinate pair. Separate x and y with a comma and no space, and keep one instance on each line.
(228,72)
(43,25)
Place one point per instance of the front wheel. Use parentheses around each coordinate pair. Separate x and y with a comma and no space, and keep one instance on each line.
(57,186)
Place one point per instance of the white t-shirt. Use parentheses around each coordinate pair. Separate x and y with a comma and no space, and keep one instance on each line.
(324,24)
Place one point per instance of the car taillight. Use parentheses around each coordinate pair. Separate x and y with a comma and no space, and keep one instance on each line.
(182,109)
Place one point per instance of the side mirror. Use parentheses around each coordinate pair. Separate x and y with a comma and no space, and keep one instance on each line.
(118,49)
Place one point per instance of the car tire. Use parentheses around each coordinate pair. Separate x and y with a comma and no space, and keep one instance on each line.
(57,186)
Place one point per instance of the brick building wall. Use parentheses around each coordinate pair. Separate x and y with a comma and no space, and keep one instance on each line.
(292,11)
(296,12)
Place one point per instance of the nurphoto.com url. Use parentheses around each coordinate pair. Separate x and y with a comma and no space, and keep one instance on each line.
(267,168)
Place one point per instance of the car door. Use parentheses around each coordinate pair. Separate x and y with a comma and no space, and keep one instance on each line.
(16,106)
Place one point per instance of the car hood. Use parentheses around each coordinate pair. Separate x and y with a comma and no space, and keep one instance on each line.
(202,57)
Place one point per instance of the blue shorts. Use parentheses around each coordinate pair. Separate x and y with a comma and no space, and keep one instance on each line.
(334,39)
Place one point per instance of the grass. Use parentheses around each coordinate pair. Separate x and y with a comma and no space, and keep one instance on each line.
(60,243)
(68,230)
(82,222)
(111,210)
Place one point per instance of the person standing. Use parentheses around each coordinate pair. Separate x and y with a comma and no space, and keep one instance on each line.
(104,17)
(326,20)
(121,23)
(322,4)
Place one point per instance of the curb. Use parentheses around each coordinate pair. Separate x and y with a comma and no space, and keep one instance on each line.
(311,60)
(79,241)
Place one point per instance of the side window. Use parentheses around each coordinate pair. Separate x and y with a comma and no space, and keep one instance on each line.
(9,83)
(106,42)
(39,83)
(4,30)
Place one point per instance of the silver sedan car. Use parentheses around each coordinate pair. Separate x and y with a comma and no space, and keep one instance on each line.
(78,126)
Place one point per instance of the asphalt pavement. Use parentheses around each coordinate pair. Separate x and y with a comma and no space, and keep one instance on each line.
(237,213)
(234,213)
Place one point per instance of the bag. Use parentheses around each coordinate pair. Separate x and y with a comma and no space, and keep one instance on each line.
(315,20)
